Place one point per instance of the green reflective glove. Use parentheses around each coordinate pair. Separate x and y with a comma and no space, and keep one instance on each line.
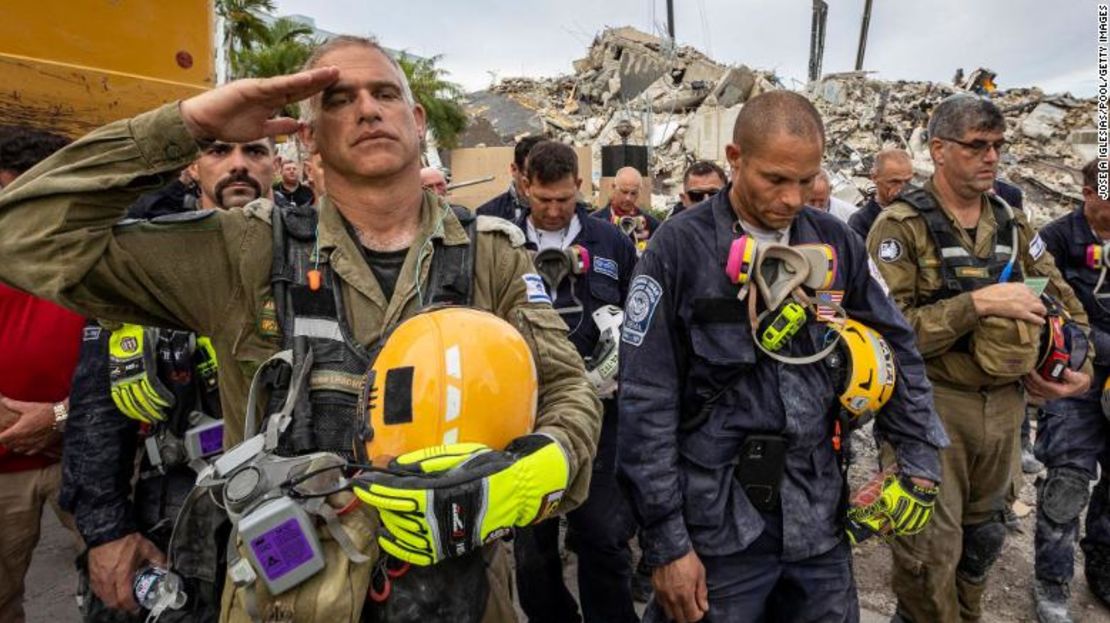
(133,371)
(207,365)
(908,506)
(449,500)
(899,507)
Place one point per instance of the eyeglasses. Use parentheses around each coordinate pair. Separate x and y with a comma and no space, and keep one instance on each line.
(699,195)
(979,147)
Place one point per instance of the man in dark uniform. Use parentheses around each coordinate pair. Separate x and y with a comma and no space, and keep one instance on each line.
(290,191)
(558,225)
(512,204)
(125,530)
(891,171)
(700,181)
(695,394)
(623,212)
(1072,433)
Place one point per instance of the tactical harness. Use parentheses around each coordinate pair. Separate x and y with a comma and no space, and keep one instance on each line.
(962,271)
(327,418)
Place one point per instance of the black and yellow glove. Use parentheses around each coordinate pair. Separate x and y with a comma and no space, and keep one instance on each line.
(446,501)
(909,506)
(902,508)
(133,371)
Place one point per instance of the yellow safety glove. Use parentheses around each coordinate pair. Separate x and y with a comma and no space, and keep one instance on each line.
(446,501)
(901,507)
(133,371)
(207,365)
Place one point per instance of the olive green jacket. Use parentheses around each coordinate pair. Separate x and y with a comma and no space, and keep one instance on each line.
(209,271)
(913,273)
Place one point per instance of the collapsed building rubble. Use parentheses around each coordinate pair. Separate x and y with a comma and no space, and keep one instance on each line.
(681,104)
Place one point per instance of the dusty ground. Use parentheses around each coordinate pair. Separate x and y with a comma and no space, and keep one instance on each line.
(1009,597)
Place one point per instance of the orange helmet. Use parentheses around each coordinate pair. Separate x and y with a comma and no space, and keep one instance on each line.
(449,375)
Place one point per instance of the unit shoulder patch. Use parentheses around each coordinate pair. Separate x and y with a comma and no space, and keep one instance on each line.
(643,298)
(890,250)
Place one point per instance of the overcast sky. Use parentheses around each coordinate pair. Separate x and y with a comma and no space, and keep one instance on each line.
(1045,43)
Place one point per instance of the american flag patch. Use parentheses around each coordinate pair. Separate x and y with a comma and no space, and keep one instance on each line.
(825,301)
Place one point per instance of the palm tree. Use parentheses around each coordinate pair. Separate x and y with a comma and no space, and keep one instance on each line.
(244,26)
(439,97)
(282,48)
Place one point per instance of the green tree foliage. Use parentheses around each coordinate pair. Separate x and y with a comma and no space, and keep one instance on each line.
(281,49)
(244,26)
(439,97)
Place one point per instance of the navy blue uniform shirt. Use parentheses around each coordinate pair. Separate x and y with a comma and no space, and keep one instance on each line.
(687,338)
(612,259)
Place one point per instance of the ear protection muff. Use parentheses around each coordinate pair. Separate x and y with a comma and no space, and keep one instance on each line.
(1094,256)
(579,259)
(741,260)
(822,262)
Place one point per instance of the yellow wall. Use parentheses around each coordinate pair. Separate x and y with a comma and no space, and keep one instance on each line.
(73,65)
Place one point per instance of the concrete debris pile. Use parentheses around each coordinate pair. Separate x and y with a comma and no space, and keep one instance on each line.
(1049,137)
(668,95)
(681,104)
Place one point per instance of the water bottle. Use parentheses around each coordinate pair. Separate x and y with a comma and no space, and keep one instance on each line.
(157,589)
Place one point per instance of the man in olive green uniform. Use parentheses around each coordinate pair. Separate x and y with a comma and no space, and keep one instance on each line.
(954,260)
(210,271)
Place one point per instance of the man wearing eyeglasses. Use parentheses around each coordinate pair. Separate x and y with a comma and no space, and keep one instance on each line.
(1072,433)
(700,181)
(955,258)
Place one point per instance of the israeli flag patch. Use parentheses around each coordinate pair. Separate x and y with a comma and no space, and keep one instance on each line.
(534,288)
(606,267)
(643,298)
(1036,247)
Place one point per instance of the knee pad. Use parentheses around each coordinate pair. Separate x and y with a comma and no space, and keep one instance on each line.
(1064,494)
(1097,568)
(981,547)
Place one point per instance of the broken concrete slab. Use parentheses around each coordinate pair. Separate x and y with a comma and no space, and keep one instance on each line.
(733,87)
(1043,122)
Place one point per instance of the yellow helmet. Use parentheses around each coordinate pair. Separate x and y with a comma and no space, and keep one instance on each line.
(448,375)
(869,369)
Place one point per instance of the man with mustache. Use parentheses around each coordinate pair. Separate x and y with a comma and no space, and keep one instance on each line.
(380,250)
(125,527)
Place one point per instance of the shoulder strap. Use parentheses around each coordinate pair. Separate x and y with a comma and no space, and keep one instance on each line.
(452,271)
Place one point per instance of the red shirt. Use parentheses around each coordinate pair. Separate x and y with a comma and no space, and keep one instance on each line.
(39,345)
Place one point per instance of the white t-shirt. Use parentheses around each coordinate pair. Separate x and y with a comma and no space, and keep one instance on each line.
(561,239)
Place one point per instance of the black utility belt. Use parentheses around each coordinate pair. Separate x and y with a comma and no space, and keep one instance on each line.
(760,470)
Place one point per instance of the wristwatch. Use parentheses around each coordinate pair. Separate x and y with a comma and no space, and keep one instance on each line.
(61,414)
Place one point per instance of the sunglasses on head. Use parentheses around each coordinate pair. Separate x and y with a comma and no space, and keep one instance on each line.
(700,195)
